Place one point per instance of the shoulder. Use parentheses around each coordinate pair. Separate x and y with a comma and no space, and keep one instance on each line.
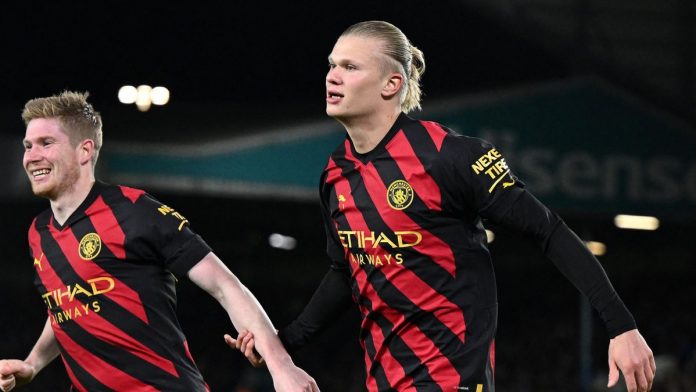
(118,194)
(338,153)
(132,194)
(468,143)
(41,220)
(128,204)
(335,160)
(446,140)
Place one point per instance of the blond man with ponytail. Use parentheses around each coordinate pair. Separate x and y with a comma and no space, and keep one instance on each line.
(403,201)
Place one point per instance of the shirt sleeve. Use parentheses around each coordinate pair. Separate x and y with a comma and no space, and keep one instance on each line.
(482,177)
(166,234)
(488,186)
(329,301)
(570,255)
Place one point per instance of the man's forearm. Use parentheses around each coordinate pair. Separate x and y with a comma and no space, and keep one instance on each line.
(246,313)
(244,310)
(329,301)
(525,213)
(45,350)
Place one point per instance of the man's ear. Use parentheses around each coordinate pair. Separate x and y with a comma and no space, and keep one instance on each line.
(392,85)
(86,151)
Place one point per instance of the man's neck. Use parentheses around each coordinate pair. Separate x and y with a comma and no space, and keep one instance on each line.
(64,205)
(367,133)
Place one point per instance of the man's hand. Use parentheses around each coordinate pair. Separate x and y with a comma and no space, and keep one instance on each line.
(630,353)
(245,344)
(288,378)
(15,373)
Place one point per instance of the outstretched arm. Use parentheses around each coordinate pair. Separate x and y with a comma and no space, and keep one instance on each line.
(15,372)
(627,350)
(247,314)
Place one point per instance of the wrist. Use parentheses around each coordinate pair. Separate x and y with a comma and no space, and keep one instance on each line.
(276,363)
(34,366)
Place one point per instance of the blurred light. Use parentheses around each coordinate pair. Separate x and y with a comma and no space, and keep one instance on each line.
(127,94)
(159,95)
(597,248)
(636,222)
(280,241)
(143,101)
(490,236)
(144,96)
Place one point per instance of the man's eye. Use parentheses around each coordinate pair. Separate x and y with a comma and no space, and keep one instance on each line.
(351,67)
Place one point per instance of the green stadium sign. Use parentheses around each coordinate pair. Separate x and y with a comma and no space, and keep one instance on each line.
(579,145)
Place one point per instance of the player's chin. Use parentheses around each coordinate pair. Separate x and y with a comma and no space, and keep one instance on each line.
(42,190)
(336,113)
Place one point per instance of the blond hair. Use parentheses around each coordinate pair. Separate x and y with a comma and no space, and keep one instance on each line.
(405,57)
(77,117)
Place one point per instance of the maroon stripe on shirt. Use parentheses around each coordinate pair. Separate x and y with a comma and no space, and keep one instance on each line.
(108,228)
(431,246)
(131,193)
(393,369)
(121,294)
(35,245)
(422,294)
(436,133)
(417,341)
(190,357)
(441,370)
(105,373)
(370,381)
(96,325)
(423,185)
(73,379)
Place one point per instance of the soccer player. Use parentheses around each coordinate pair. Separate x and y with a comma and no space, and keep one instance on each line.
(107,259)
(403,201)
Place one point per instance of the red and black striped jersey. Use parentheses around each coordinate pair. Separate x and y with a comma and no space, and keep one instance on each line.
(107,277)
(405,221)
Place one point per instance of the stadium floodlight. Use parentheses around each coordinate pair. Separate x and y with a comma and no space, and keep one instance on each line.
(143,101)
(597,248)
(159,95)
(127,94)
(636,222)
(490,236)
(144,96)
(280,241)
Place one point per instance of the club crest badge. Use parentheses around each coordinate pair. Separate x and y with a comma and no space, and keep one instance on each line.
(90,246)
(399,195)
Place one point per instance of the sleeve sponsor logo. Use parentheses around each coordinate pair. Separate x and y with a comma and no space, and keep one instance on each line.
(493,165)
(399,195)
(90,246)
(166,210)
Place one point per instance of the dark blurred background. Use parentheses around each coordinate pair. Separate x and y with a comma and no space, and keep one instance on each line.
(238,70)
